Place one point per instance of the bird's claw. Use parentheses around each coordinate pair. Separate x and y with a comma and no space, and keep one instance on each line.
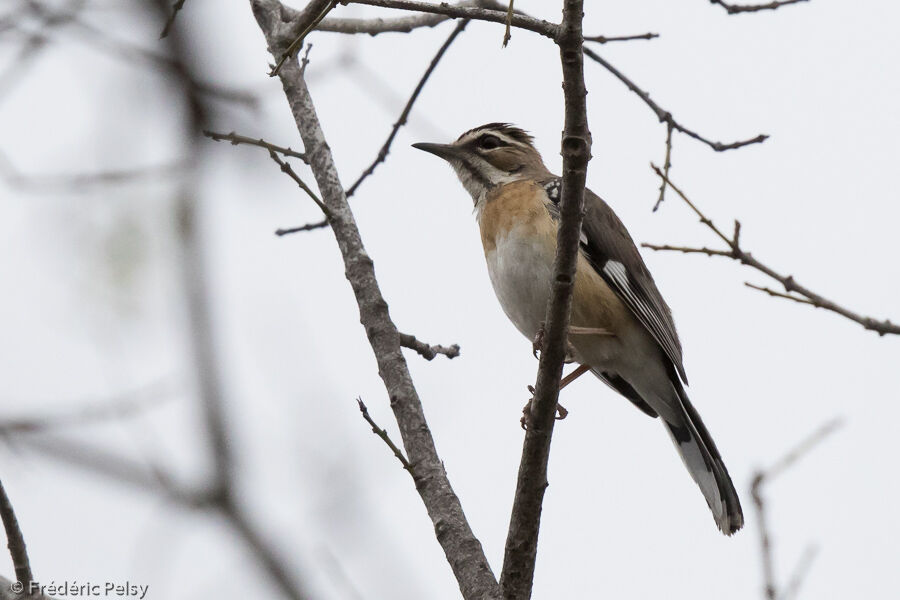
(525,421)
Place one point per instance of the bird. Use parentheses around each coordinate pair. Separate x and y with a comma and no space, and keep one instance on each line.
(621,328)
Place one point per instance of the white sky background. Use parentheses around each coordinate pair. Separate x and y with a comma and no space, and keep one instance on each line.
(91,308)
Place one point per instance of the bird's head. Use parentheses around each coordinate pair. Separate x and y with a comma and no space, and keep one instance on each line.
(490,155)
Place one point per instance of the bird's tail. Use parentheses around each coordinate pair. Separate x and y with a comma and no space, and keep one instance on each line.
(702,459)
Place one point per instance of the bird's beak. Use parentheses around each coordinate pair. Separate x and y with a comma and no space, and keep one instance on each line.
(445,151)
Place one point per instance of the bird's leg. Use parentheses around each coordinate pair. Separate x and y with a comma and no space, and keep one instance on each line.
(561,411)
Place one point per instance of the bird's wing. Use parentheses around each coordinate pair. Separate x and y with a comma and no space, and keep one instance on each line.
(611,252)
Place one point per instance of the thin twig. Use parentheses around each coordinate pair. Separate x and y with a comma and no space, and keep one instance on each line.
(734,9)
(236,139)
(427,351)
(667,164)
(461,11)
(603,39)
(384,436)
(289,171)
(404,115)
(509,15)
(775,294)
(308,227)
(176,8)
(519,558)
(665,116)
(801,571)
(760,478)
(736,252)
(15,541)
(312,15)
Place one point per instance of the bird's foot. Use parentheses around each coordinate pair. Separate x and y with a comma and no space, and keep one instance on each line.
(538,342)
(525,421)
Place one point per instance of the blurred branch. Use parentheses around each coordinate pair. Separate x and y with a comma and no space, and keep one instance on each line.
(81,182)
(463,550)
(384,436)
(121,406)
(236,140)
(176,8)
(404,115)
(760,478)
(15,541)
(100,39)
(734,9)
(520,555)
(665,116)
(736,252)
(426,351)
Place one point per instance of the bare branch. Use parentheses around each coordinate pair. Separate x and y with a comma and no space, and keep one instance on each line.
(603,39)
(764,476)
(384,436)
(311,16)
(15,541)
(775,294)
(463,550)
(426,351)
(667,164)
(236,139)
(459,11)
(736,252)
(509,15)
(804,565)
(404,115)
(289,171)
(308,227)
(520,554)
(734,9)
(124,405)
(665,116)
(176,8)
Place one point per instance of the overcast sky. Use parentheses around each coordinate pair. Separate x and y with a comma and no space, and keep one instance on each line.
(91,306)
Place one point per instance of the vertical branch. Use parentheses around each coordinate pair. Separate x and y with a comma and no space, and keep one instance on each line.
(521,543)
(461,547)
(15,541)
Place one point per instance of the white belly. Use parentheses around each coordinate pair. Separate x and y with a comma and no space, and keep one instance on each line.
(520,269)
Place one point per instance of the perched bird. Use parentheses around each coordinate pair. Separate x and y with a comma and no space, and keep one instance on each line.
(621,329)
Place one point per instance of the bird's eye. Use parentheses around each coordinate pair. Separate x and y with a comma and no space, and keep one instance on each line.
(489,142)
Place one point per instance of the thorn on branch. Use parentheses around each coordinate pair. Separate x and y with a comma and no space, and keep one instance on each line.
(384,436)
(426,351)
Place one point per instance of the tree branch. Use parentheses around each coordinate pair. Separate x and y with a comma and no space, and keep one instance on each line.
(665,116)
(426,351)
(15,541)
(236,139)
(759,480)
(384,436)
(736,252)
(519,558)
(734,9)
(404,115)
(462,549)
